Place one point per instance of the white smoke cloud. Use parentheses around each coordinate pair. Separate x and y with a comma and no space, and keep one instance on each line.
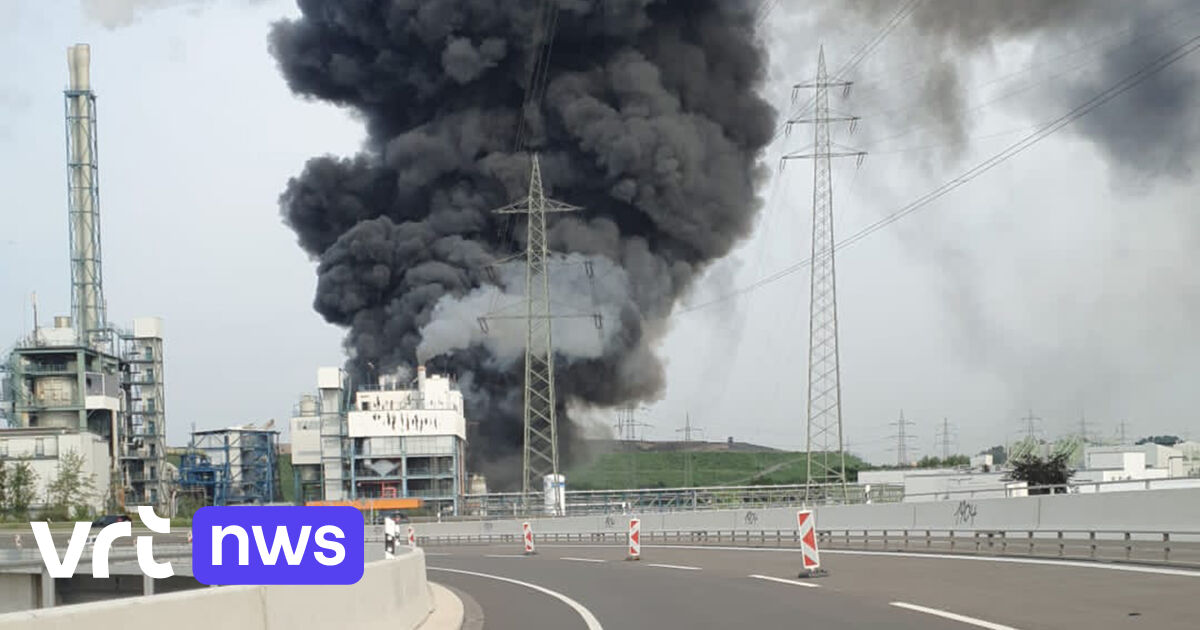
(574,298)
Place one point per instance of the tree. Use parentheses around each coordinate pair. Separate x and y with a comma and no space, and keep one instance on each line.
(70,494)
(1038,472)
(20,490)
(3,491)
(1161,440)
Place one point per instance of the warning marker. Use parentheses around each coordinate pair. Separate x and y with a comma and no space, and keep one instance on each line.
(412,537)
(635,539)
(19,539)
(529,550)
(807,524)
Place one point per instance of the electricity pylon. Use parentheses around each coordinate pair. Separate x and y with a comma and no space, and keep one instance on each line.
(541,424)
(826,451)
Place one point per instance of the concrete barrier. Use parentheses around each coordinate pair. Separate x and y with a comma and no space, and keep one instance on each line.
(392,595)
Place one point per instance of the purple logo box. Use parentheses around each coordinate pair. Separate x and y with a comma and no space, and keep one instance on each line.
(277,545)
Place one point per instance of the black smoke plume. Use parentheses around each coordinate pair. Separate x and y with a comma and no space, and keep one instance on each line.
(651,121)
(1148,131)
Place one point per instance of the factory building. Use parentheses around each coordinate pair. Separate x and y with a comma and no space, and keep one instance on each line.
(234,466)
(393,439)
(41,448)
(82,375)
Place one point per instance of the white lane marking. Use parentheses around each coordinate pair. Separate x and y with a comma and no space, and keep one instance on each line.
(785,581)
(437,554)
(582,559)
(953,616)
(503,555)
(588,617)
(674,566)
(1083,564)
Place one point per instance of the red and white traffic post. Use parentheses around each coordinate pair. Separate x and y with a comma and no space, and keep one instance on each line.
(806,521)
(412,537)
(635,539)
(527,530)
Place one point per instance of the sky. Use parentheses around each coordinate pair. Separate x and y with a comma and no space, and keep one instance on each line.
(1061,282)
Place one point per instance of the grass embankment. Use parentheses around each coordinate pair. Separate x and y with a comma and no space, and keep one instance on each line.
(668,470)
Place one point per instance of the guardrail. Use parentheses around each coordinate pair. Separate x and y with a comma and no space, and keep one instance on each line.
(1180,549)
(19,559)
(480,507)
(648,500)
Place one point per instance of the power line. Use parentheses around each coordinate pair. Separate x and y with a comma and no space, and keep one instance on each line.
(1129,82)
(857,58)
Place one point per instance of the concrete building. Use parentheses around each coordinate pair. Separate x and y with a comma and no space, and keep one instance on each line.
(393,440)
(1130,463)
(937,484)
(41,448)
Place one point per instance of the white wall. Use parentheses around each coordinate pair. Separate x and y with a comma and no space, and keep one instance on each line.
(392,595)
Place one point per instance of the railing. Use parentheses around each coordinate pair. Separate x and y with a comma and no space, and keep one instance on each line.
(1175,548)
(646,500)
(26,559)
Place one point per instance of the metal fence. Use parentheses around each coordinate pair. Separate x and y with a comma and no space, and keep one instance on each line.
(1178,548)
(651,500)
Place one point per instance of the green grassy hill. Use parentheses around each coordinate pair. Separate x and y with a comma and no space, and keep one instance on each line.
(667,469)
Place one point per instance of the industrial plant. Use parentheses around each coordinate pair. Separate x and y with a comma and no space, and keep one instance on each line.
(395,439)
(83,385)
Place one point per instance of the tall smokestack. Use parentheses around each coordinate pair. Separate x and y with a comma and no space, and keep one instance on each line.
(83,203)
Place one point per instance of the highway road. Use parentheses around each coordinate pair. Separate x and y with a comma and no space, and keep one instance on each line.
(590,587)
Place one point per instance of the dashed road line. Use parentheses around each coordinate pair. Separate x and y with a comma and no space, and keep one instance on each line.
(583,560)
(785,581)
(674,566)
(504,555)
(953,616)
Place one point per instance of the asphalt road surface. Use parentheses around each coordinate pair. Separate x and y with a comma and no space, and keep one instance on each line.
(591,587)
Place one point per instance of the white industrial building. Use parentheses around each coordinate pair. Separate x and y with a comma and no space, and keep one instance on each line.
(41,448)
(1131,463)
(392,439)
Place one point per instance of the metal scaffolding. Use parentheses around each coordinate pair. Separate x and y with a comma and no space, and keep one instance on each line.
(232,466)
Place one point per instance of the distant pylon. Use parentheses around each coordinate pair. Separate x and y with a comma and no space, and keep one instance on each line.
(826,452)
(902,438)
(541,423)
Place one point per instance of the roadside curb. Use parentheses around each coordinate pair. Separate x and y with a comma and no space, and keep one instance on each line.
(448,612)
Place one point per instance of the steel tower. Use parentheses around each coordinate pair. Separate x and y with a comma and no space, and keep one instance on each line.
(825,446)
(541,424)
(83,201)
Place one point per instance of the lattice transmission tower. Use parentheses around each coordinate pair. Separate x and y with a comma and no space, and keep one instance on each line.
(826,452)
(541,423)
